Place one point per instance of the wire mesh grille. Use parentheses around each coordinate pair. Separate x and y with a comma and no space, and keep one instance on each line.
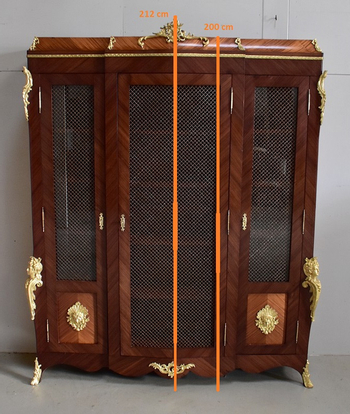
(151,258)
(275,122)
(74,181)
(151,199)
(196,198)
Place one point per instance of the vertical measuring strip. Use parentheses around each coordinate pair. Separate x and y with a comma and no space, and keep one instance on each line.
(218,213)
(175,205)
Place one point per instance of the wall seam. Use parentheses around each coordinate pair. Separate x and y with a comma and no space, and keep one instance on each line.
(262,17)
(288,19)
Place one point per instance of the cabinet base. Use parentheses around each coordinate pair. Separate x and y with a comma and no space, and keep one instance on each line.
(204,367)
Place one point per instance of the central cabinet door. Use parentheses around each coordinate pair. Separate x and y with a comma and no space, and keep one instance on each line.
(145,130)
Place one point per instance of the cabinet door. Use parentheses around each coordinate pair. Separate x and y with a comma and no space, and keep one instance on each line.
(73,192)
(272,211)
(145,207)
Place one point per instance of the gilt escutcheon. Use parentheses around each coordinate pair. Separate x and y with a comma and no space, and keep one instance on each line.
(78,316)
(267,319)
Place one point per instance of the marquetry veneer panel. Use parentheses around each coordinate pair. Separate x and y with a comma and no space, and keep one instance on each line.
(66,334)
(256,302)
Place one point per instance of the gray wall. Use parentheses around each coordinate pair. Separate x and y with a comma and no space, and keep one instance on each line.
(328,21)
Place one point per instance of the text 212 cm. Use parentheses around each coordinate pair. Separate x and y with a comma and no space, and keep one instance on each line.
(152,13)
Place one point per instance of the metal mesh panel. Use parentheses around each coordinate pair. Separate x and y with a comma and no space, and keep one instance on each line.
(74,181)
(196,198)
(275,122)
(151,199)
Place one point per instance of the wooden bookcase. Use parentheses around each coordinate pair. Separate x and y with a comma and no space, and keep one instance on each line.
(100,122)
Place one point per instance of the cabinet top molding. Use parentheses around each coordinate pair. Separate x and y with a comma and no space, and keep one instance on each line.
(100,47)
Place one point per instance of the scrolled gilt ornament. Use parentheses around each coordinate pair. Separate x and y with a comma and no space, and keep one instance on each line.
(170,368)
(78,316)
(26,90)
(34,280)
(311,270)
(37,373)
(306,376)
(34,44)
(321,90)
(238,42)
(112,40)
(316,46)
(167,31)
(267,319)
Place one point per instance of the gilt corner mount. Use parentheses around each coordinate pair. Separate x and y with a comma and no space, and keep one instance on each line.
(26,90)
(33,281)
(321,90)
(311,270)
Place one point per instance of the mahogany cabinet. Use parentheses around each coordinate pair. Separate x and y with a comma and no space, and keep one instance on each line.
(100,281)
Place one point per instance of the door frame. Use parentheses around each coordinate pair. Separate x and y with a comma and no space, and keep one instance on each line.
(291,288)
(124,80)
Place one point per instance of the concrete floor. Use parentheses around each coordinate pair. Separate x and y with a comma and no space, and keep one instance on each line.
(70,391)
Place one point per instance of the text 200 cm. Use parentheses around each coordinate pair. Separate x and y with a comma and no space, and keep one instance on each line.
(217,26)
